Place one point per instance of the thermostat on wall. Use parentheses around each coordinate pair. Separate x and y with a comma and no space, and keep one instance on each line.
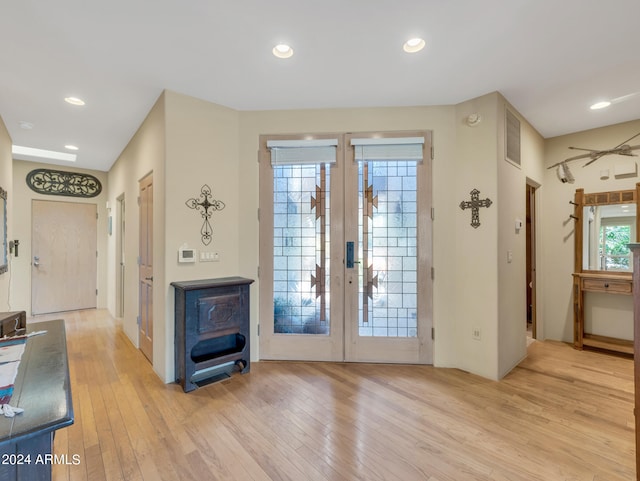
(186,255)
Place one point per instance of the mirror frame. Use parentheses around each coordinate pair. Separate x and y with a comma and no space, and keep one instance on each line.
(4,259)
(600,198)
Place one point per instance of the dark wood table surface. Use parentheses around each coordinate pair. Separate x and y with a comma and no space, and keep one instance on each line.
(42,389)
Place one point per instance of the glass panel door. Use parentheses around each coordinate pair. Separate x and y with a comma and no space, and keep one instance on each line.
(300,307)
(388,206)
(387,235)
(313,305)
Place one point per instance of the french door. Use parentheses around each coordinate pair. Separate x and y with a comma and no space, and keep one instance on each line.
(345,247)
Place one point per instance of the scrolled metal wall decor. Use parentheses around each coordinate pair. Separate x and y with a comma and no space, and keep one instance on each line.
(59,182)
(206,208)
(474,204)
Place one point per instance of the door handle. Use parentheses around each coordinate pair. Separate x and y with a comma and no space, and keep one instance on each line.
(36,261)
(149,278)
(350,262)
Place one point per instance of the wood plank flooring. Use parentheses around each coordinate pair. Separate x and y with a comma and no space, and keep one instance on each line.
(560,415)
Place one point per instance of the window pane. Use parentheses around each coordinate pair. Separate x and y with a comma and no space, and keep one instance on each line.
(387,214)
(614,251)
(301,249)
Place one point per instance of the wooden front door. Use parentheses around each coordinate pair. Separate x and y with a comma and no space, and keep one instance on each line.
(64,250)
(146,267)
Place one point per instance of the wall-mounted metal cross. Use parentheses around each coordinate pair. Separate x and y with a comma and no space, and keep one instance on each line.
(474,204)
(206,208)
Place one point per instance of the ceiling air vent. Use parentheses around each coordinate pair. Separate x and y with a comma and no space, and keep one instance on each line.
(513,138)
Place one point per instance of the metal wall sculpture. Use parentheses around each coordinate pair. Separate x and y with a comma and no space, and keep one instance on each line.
(59,182)
(206,207)
(474,204)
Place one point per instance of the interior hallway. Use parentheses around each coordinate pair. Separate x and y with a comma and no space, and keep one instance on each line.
(561,414)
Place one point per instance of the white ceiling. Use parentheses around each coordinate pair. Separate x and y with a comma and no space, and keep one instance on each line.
(550,58)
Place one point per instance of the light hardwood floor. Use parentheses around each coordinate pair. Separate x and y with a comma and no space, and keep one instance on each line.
(560,415)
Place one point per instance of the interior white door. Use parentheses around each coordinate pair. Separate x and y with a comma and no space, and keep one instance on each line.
(64,262)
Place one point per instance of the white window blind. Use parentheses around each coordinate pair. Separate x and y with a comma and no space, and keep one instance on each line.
(301,152)
(398,148)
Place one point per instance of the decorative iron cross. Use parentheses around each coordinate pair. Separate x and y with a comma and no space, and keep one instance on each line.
(474,204)
(206,208)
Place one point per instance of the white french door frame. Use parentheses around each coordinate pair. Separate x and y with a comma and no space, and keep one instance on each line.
(343,343)
(299,346)
(411,350)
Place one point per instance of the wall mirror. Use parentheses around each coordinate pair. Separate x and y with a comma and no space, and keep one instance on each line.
(3,231)
(608,222)
(607,231)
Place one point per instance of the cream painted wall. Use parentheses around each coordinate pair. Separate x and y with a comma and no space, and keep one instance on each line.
(558,235)
(198,142)
(446,197)
(512,280)
(187,143)
(201,148)
(475,260)
(144,154)
(23,197)
(493,290)
(6,182)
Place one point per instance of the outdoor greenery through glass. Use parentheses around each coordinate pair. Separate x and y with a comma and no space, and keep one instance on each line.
(614,250)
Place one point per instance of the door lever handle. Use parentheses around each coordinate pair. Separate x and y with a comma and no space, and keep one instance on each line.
(350,254)
(149,278)
(349,261)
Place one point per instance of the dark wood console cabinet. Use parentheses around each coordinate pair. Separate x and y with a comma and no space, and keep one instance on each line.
(211,329)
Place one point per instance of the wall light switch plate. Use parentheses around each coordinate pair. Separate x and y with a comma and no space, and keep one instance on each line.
(208,256)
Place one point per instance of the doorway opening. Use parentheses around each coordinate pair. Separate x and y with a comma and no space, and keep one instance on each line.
(120,255)
(531,261)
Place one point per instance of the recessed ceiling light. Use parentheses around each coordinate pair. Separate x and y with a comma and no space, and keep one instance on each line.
(21,152)
(600,105)
(70,147)
(413,45)
(25,125)
(74,101)
(282,51)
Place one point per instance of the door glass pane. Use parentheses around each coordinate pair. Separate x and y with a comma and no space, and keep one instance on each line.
(301,219)
(387,213)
